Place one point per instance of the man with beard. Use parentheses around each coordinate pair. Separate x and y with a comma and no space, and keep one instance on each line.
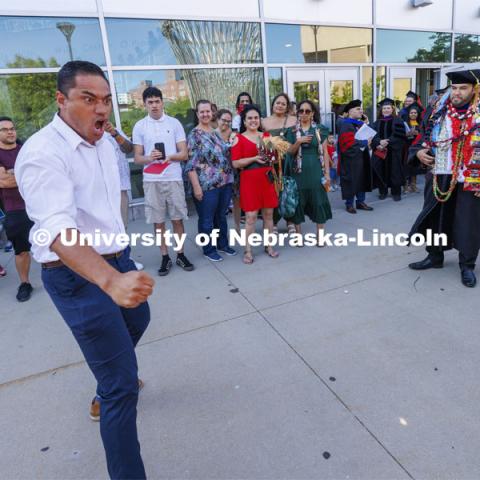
(354,165)
(450,146)
(68,175)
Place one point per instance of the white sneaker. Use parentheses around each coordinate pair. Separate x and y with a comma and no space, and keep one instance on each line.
(138,265)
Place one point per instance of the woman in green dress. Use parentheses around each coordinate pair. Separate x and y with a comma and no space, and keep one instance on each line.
(304,163)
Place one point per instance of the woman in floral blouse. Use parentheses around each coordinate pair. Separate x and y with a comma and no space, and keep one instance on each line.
(211,174)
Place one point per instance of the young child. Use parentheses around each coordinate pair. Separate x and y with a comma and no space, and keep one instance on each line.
(332,153)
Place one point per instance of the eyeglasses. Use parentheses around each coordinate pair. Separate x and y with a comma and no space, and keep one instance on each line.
(6,130)
(302,111)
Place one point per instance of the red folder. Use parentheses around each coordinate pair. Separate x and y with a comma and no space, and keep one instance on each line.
(156,168)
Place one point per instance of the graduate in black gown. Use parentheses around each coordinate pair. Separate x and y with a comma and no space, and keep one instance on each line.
(388,148)
(450,147)
(354,160)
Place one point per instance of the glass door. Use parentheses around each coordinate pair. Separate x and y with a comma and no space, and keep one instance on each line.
(329,89)
(400,81)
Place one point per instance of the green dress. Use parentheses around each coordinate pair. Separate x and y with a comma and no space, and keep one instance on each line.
(313,200)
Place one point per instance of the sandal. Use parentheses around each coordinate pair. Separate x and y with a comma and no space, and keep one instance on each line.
(271,252)
(291,229)
(247,258)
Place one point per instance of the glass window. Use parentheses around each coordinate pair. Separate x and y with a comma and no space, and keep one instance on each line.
(29,99)
(182,42)
(315,44)
(181,89)
(49,42)
(398,46)
(467,48)
(367,91)
(381,85)
(275,82)
(306,91)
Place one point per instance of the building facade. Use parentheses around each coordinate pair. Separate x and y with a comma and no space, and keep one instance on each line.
(330,51)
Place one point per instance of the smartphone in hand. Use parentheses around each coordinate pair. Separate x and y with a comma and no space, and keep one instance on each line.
(160,146)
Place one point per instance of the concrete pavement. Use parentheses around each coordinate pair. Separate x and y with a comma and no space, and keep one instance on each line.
(326,363)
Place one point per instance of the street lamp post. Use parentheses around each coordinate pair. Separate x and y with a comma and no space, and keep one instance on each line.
(67,29)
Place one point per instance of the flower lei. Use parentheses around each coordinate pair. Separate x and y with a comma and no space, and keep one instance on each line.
(298,134)
(461,148)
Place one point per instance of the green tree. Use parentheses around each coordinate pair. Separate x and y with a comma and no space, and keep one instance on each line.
(439,52)
(467,48)
(30,97)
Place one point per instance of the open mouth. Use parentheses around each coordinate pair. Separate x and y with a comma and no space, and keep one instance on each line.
(99,126)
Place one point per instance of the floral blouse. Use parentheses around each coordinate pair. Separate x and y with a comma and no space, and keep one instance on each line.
(209,156)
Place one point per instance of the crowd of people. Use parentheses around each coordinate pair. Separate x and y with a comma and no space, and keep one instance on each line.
(223,157)
(72,176)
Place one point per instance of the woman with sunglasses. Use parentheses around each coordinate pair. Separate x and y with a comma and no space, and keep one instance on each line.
(225,131)
(305,161)
(276,125)
(257,190)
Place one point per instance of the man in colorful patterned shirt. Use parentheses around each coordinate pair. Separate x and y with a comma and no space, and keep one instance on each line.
(450,146)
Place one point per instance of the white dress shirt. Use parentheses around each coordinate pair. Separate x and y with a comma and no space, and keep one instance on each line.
(68,183)
(148,131)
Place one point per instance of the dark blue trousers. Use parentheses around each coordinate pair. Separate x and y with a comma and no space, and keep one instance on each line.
(212,213)
(360,199)
(107,335)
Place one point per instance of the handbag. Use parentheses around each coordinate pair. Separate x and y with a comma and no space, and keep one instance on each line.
(382,154)
(289,196)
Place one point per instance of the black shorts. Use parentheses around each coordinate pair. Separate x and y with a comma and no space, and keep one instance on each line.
(17,228)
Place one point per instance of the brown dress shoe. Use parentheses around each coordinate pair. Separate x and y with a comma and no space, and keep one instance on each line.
(364,206)
(95,405)
(351,210)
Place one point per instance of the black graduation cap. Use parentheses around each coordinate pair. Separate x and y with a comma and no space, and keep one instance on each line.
(415,106)
(386,101)
(465,76)
(412,95)
(352,104)
(441,91)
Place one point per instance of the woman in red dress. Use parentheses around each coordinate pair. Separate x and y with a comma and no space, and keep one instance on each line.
(257,190)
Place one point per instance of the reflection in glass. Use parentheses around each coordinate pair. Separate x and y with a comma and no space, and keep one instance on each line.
(467,48)
(315,44)
(182,42)
(275,82)
(182,88)
(400,87)
(29,99)
(341,91)
(49,42)
(381,84)
(367,91)
(306,91)
(410,46)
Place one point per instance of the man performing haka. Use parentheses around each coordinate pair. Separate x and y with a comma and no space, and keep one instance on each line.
(68,175)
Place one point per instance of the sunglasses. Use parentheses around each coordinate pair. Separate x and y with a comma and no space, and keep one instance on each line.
(302,111)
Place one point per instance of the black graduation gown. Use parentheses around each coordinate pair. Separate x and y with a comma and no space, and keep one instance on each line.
(389,172)
(458,218)
(355,168)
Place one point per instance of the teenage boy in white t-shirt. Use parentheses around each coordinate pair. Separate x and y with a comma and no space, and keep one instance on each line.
(162,177)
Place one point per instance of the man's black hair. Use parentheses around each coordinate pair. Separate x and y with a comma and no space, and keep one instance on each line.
(150,92)
(66,78)
(5,119)
(243,94)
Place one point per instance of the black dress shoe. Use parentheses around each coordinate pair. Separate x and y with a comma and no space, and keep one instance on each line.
(468,278)
(382,196)
(351,210)
(364,206)
(397,198)
(426,263)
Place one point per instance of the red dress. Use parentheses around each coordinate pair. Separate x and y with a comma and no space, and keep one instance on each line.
(256,191)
